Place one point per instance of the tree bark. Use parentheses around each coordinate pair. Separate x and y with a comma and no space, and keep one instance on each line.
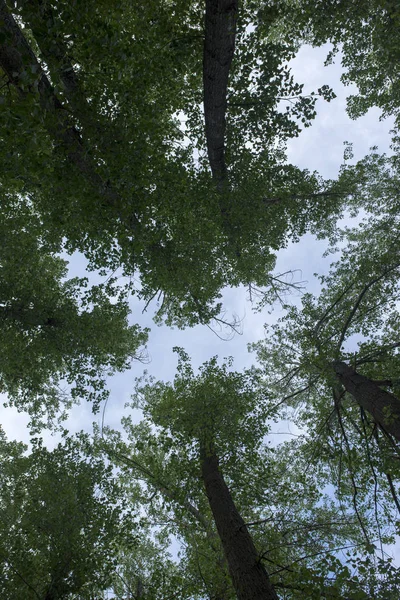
(219,45)
(249,578)
(383,406)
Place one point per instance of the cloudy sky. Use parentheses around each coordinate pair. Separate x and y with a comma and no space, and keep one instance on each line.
(319,148)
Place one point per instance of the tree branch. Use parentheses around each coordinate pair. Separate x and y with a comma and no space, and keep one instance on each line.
(165,490)
(26,74)
(40,17)
(358,302)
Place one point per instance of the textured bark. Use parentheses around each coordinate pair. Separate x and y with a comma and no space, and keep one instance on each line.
(249,578)
(219,45)
(26,74)
(383,406)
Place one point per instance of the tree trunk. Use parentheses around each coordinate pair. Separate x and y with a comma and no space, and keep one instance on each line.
(249,578)
(383,406)
(219,45)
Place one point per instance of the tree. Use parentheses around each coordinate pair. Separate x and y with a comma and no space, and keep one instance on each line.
(55,332)
(367,35)
(208,439)
(61,522)
(93,96)
(116,179)
(147,570)
(297,530)
(336,359)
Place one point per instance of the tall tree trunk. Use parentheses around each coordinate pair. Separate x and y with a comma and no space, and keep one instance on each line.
(383,406)
(249,578)
(219,45)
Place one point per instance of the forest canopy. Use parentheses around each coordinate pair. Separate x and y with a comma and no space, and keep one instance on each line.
(150,140)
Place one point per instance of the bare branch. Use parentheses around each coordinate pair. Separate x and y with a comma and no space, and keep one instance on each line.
(359,300)
(393,491)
